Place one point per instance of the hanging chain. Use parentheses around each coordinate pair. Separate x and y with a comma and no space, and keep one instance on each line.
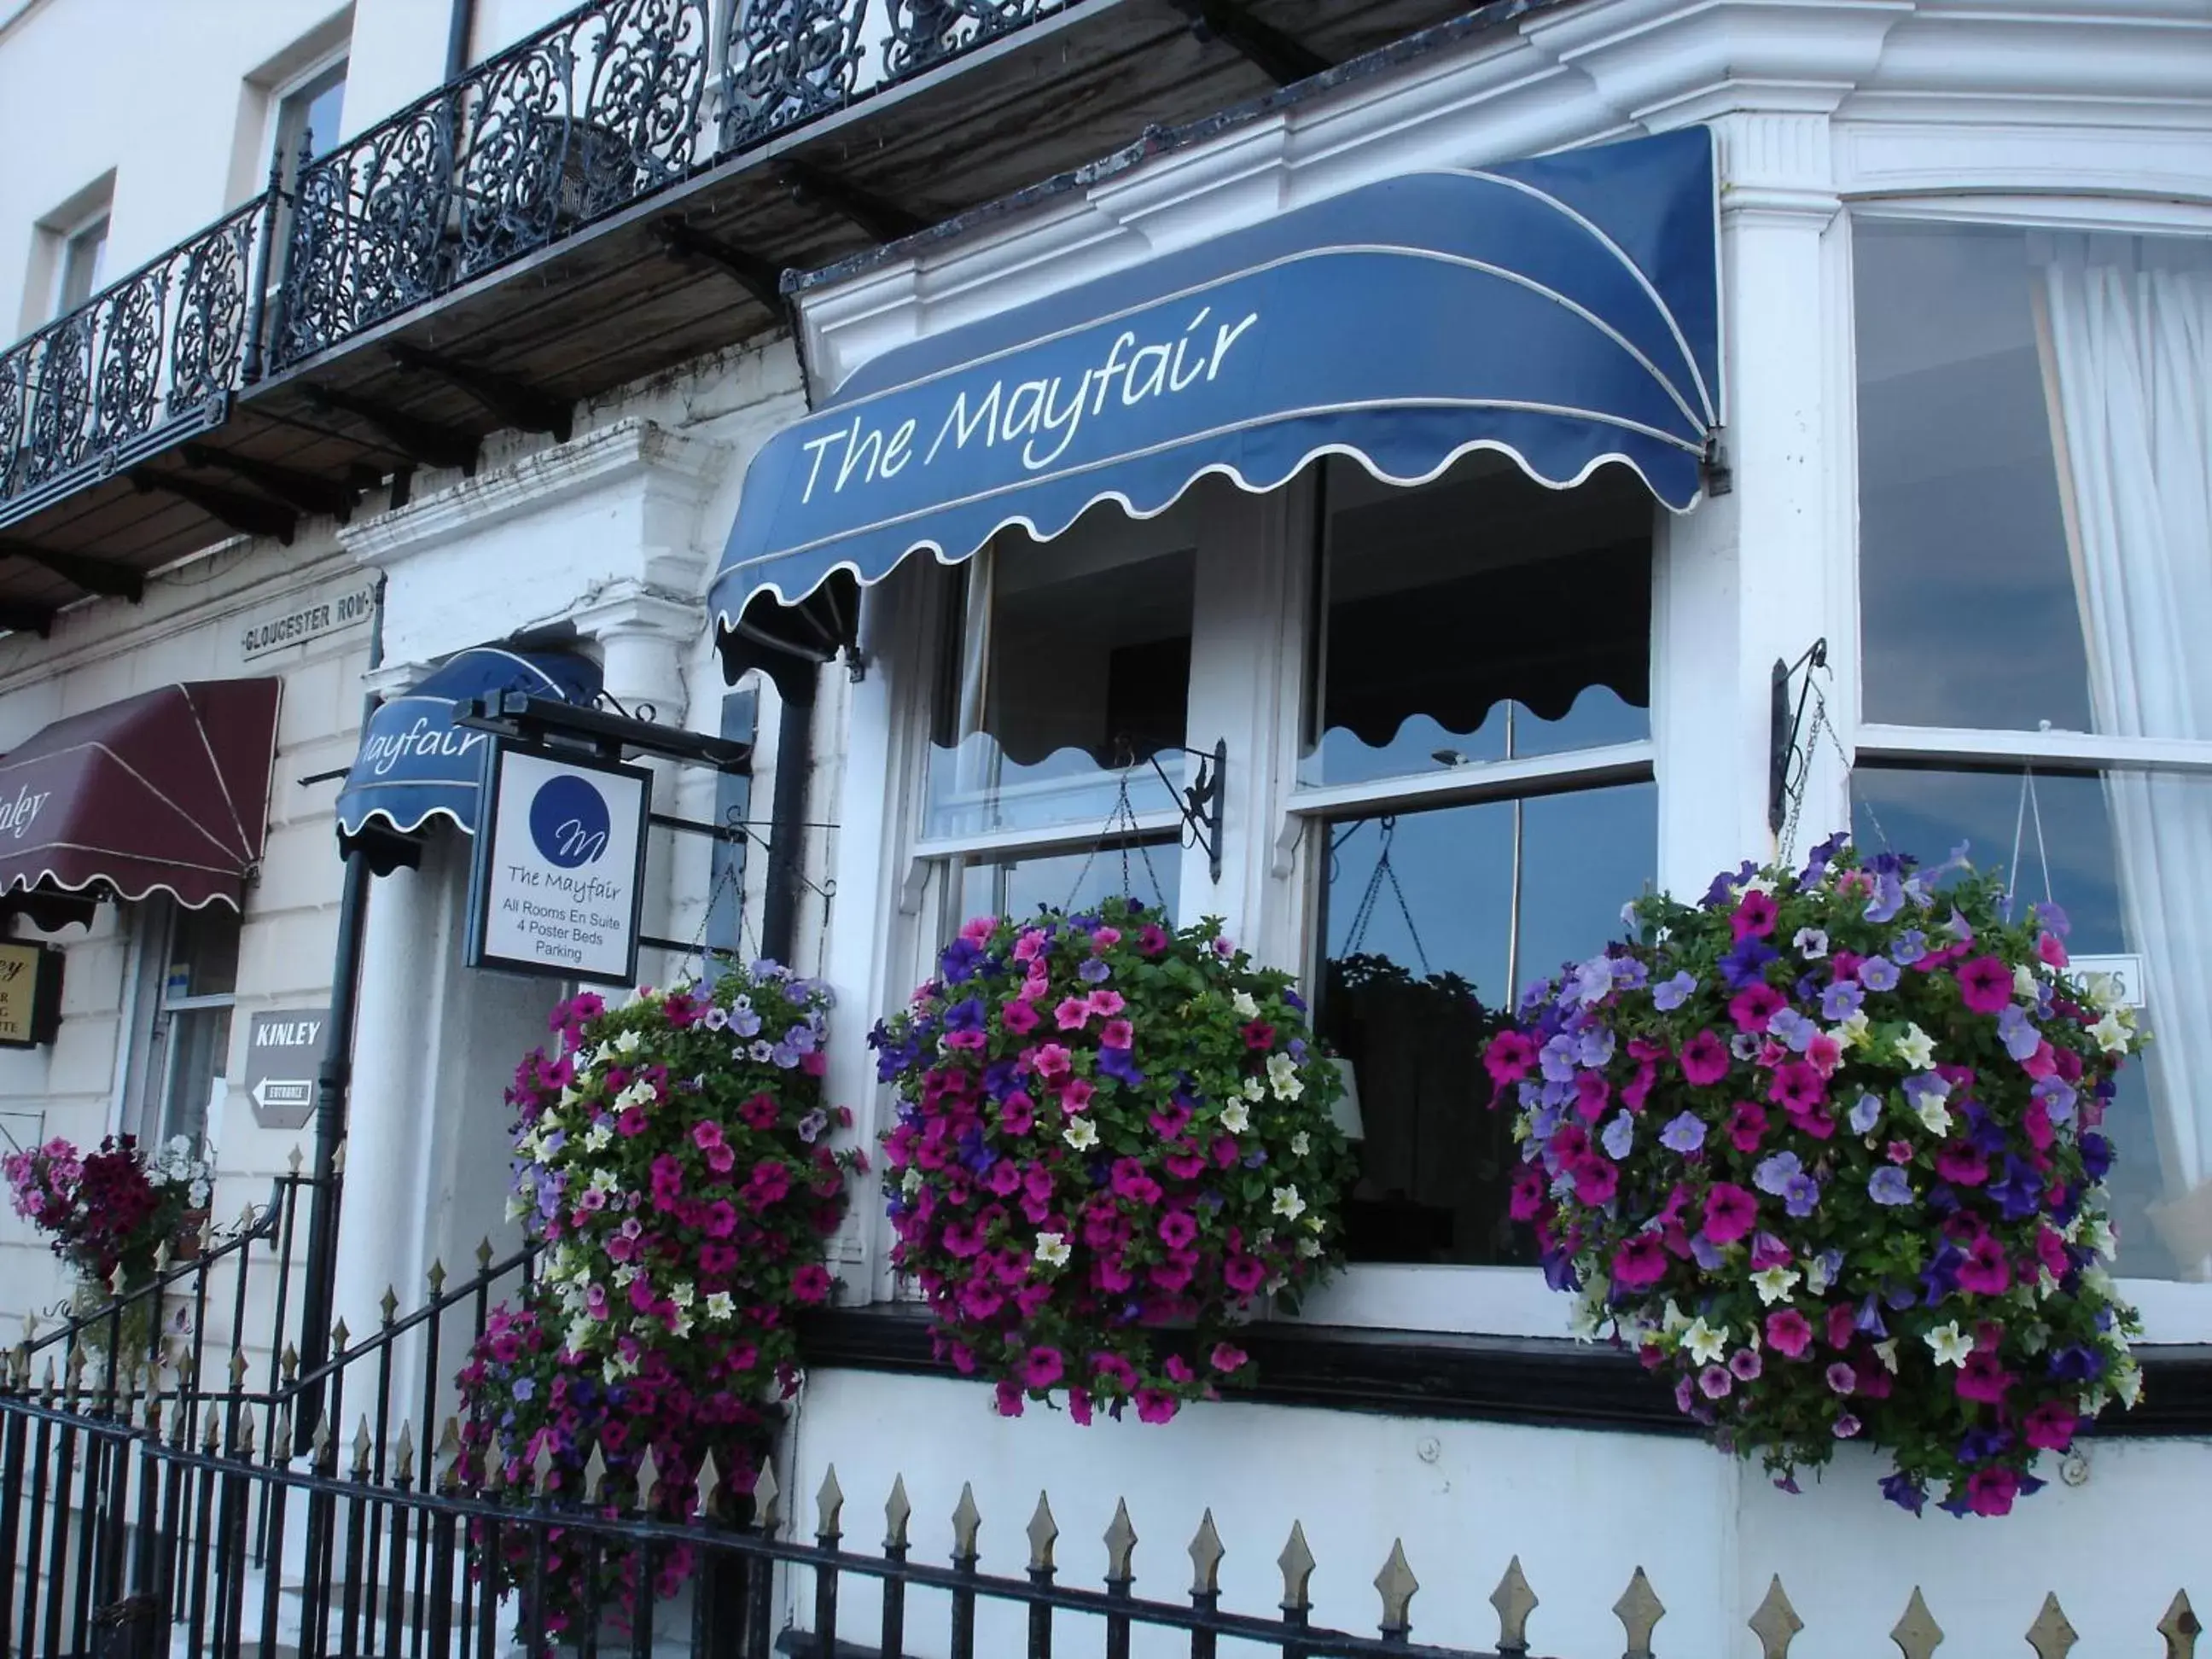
(1820,727)
(1385,870)
(1121,826)
(2031,802)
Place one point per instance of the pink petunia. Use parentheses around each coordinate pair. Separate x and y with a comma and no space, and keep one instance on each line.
(1509,1058)
(1753,917)
(810,1283)
(1747,1126)
(1106,1003)
(2049,948)
(1227,1359)
(1592,1094)
(1018,1016)
(1078,1095)
(1985,1272)
(1983,1377)
(1731,1212)
(2051,1426)
(1961,1164)
(1787,1333)
(1597,1180)
(1072,1014)
(1705,1060)
(1050,1059)
(1154,1406)
(1985,985)
(1116,1034)
(1754,1005)
(705,1135)
(1798,1087)
(1042,1368)
(1639,1262)
(1152,939)
(1113,1371)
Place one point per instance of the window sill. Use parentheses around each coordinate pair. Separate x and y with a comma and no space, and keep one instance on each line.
(1500,1379)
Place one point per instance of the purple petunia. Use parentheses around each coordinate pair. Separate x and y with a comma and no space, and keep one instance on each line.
(1889,1185)
(1878,973)
(1670,995)
(1684,1133)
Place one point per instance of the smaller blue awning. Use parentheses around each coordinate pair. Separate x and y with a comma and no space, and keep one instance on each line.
(415,764)
(1565,310)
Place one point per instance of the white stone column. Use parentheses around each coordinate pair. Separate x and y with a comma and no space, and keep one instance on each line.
(380,1225)
(644,637)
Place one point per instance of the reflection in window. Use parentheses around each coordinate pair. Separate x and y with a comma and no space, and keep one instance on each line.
(1429,922)
(1143,870)
(2032,412)
(2066,839)
(1480,617)
(189,1051)
(1069,669)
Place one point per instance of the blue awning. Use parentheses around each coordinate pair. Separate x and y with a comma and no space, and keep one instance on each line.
(415,764)
(1565,310)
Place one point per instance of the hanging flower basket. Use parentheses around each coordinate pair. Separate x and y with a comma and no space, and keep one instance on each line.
(1114,1141)
(1825,1149)
(674,1156)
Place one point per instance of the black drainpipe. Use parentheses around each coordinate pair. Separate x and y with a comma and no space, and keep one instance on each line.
(460,24)
(333,1079)
(794,678)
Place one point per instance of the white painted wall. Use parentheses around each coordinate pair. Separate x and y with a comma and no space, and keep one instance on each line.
(1582,1509)
(189,627)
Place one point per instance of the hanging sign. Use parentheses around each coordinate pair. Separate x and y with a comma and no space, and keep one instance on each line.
(30,994)
(558,879)
(283,1051)
(2124,971)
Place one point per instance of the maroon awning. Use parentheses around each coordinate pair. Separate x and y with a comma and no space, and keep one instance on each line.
(166,791)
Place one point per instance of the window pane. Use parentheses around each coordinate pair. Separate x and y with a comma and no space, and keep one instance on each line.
(2008,578)
(84,263)
(199,1053)
(1480,617)
(1427,919)
(1070,881)
(203,954)
(2128,856)
(1070,668)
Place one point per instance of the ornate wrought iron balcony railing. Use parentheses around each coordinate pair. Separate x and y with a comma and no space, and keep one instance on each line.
(145,362)
(613,102)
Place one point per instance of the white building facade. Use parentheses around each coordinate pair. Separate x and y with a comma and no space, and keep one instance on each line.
(1962,414)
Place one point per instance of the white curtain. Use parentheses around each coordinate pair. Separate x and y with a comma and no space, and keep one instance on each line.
(2126,333)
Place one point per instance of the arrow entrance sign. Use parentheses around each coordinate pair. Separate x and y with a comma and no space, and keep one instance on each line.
(283,1051)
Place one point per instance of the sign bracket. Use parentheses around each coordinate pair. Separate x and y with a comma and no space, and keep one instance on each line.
(522,717)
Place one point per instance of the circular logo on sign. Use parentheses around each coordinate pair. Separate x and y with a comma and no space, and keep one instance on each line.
(569,821)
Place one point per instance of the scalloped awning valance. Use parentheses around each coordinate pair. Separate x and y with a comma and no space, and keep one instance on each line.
(1563,310)
(415,764)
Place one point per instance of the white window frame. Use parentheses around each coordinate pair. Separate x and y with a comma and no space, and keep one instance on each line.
(67,243)
(153,1054)
(2173,1311)
(1256,565)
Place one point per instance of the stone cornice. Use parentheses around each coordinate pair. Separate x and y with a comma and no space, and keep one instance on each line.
(632,451)
(1779,78)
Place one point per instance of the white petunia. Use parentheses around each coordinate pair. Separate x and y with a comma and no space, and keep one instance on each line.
(1950,1346)
(1301,1144)
(597,1138)
(1917,1048)
(1245,1006)
(721,1306)
(2111,1034)
(910,1182)
(2023,984)
(1706,1345)
(1852,1032)
(1310,1247)
(1887,1352)
(628,1044)
(1081,1133)
(1288,1203)
(1253,1088)
(1774,1284)
(1052,1249)
(1235,1117)
(1283,1077)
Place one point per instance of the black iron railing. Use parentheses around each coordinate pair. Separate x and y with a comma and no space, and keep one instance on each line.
(146,361)
(596,111)
(175,1493)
